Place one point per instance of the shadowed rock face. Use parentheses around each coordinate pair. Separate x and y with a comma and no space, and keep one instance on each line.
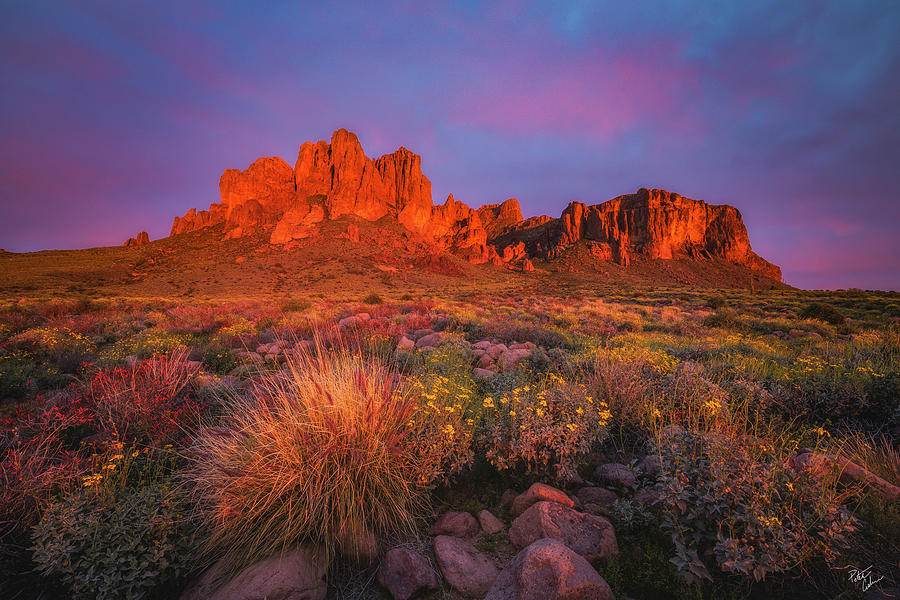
(330,180)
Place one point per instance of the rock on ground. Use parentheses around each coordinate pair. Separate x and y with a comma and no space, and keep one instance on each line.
(489,523)
(536,493)
(590,536)
(548,570)
(615,473)
(297,575)
(597,495)
(466,569)
(457,524)
(850,473)
(650,465)
(405,573)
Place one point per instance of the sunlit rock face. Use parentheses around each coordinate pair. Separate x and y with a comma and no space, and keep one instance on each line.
(139,240)
(330,180)
(335,179)
(649,224)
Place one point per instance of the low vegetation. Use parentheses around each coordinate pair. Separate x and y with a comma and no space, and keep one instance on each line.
(141,440)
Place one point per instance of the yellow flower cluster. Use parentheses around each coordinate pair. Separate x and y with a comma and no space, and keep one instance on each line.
(113,462)
(53,339)
(149,342)
(543,426)
(635,349)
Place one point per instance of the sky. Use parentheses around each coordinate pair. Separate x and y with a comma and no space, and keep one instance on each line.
(117,116)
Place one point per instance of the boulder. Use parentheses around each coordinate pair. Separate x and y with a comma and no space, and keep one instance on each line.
(466,569)
(357,542)
(483,373)
(457,524)
(591,536)
(509,359)
(496,350)
(485,361)
(508,497)
(405,344)
(650,465)
(297,575)
(489,523)
(548,570)
(616,474)
(406,573)
(353,320)
(850,473)
(597,495)
(538,492)
(432,339)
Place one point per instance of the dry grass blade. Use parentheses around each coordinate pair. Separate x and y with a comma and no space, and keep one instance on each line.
(317,454)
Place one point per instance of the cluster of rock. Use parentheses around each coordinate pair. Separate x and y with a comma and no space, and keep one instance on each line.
(331,180)
(139,240)
(274,351)
(491,356)
(556,540)
(549,550)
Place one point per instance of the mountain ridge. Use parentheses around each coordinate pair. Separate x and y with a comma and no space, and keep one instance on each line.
(333,179)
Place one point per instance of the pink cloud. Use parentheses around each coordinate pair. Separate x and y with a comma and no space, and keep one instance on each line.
(597,91)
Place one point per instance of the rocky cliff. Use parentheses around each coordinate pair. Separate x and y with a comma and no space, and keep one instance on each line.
(649,224)
(331,180)
(141,239)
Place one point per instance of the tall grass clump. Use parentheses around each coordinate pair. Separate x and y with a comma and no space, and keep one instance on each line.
(327,452)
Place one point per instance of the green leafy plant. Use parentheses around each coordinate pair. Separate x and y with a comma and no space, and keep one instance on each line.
(545,428)
(131,549)
(737,497)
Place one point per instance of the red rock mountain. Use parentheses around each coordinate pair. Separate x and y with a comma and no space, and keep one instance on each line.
(331,180)
(141,239)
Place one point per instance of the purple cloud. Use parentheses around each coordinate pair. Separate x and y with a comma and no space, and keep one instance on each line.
(117,117)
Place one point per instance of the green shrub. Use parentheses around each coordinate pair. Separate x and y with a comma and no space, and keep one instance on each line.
(737,498)
(372,298)
(219,359)
(295,305)
(145,344)
(716,302)
(725,318)
(58,345)
(20,375)
(823,312)
(545,428)
(132,549)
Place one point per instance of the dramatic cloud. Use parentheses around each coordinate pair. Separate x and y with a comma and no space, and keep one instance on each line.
(117,116)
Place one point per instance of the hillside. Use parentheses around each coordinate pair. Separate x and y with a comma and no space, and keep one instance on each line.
(339,222)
